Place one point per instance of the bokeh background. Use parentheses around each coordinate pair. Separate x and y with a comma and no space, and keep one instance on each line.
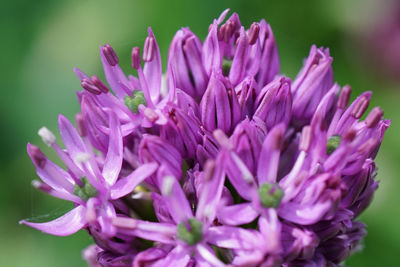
(42,40)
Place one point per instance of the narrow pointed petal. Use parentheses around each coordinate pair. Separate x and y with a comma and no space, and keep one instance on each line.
(148,256)
(155,149)
(179,256)
(193,50)
(67,224)
(317,200)
(177,61)
(219,107)
(239,175)
(50,173)
(127,184)
(270,228)
(237,214)
(222,16)
(115,77)
(94,118)
(177,203)
(208,256)
(211,192)
(269,62)
(154,231)
(254,60)
(247,141)
(268,161)
(234,237)
(81,75)
(238,68)
(71,139)
(212,58)
(152,70)
(114,157)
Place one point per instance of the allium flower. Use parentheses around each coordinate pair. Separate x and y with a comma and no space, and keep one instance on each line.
(228,164)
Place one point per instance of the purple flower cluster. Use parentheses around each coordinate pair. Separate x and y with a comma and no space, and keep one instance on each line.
(222,161)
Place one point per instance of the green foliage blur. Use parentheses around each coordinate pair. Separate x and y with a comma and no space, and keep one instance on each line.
(42,40)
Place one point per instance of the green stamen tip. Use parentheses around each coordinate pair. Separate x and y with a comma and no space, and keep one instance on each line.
(226,66)
(333,143)
(86,191)
(270,195)
(133,102)
(194,234)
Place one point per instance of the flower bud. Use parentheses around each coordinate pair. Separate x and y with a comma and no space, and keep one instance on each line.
(311,84)
(182,130)
(274,103)
(247,140)
(185,60)
(219,107)
(246,93)
(154,149)
(269,60)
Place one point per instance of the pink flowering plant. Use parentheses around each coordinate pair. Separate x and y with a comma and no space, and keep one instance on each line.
(221,161)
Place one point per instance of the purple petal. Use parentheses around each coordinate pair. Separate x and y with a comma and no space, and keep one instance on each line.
(193,50)
(177,61)
(254,60)
(171,81)
(127,184)
(114,157)
(239,175)
(240,58)
(311,84)
(318,199)
(148,256)
(94,118)
(81,75)
(237,214)
(155,149)
(274,103)
(179,256)
(207,254)
(71,139)
(250,258)
(158,232)
(234,237)
(270,228)
(269,62)
(178,204)
(211,192)
(49,172)
(268,161)
(212,57)
(106,215)
(222,16)
(246,93)
(115,77)
(304,214)
(152,71)
(68,224)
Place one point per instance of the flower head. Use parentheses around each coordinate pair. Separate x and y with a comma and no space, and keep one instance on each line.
(227,163)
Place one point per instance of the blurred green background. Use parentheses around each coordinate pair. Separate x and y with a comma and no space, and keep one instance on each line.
(43,40)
